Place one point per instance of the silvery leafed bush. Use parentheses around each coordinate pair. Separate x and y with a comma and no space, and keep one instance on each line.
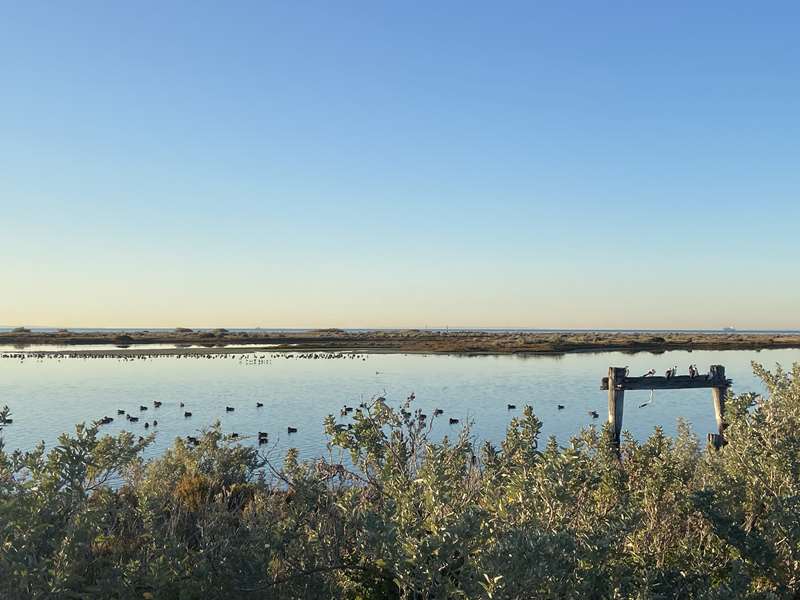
(390,514)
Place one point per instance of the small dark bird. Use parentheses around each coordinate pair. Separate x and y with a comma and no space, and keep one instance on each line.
(262,434)
(453,421)
(192,440)
(291,430)
(348,409)
(228,409)
(120,411)
(560,407)
(142,408)
(133,419)
(650,373)
(146,425)
(438,412)
(187,414)
(155,423)
(234,435)
(259,404)
(181,404)
(105,420)
(511,406)
(643,405)
(156,403)
(262,440)
(593,414)
(422,416)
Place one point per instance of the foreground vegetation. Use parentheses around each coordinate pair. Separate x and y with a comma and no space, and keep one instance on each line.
(413,518)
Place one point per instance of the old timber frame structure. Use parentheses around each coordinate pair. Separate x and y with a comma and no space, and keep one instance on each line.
(618,381)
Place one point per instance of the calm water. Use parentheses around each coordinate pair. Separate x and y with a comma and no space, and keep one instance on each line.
(48,396)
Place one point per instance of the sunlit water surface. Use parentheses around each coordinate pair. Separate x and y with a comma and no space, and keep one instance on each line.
(50,395)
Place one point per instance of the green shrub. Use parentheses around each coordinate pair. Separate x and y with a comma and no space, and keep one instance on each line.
(414,518)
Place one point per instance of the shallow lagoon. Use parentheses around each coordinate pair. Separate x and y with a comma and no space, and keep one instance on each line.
(49,395)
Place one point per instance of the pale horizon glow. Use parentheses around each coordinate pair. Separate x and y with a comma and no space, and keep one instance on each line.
(368,165)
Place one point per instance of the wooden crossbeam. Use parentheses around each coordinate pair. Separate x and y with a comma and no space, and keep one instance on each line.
(678,382)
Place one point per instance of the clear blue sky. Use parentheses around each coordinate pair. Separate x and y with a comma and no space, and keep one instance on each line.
(560,164)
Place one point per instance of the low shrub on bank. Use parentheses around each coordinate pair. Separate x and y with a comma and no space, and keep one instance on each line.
(413,518)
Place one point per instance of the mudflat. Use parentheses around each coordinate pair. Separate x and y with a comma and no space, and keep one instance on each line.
(405,341)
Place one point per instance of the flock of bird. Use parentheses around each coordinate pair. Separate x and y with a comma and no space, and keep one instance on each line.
(670,373)
(694,372)
(245,358)
(262,436)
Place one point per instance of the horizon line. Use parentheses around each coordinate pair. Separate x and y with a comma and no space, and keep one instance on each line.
(421,328)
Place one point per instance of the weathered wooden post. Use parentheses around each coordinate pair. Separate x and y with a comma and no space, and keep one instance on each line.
(616,400)
(718,393)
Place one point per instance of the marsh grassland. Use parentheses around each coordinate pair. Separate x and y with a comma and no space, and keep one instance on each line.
(413,340)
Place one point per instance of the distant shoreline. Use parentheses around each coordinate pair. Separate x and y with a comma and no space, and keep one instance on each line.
(415,341)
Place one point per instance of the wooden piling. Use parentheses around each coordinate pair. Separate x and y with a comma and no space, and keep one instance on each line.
(718,394)
(616,401)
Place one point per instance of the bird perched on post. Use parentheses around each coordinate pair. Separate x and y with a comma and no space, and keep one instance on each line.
(650,373)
